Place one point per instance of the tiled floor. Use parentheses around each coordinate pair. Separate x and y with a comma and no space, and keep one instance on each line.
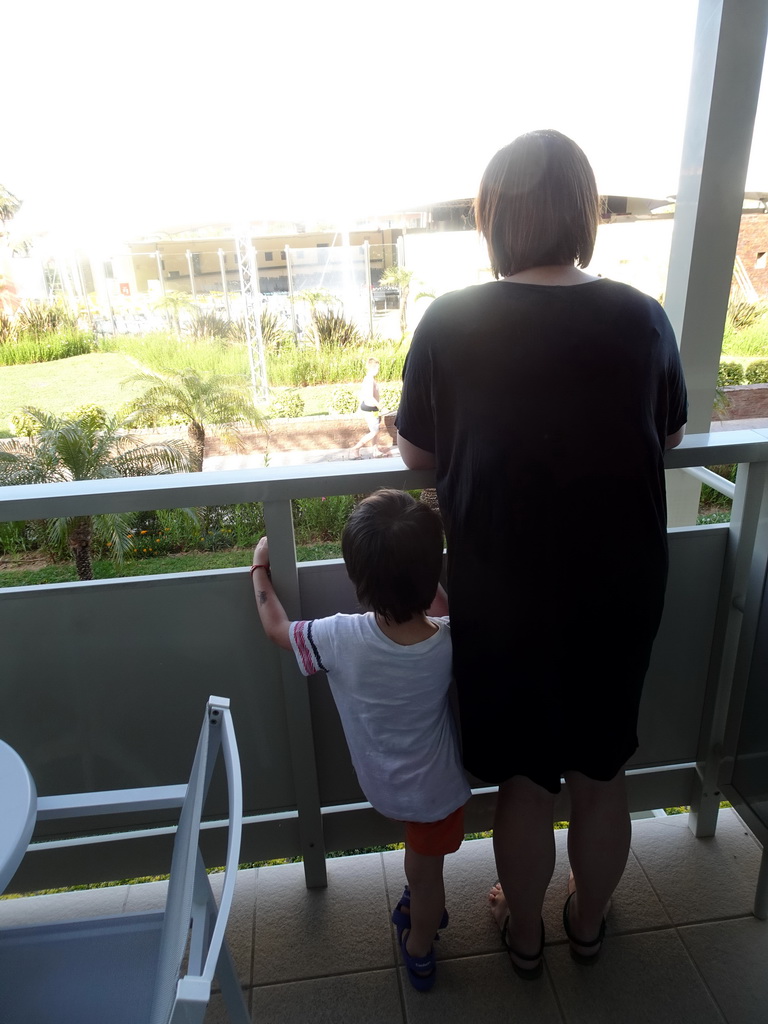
(682,943)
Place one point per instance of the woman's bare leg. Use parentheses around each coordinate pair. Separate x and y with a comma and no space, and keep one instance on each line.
(524,845)
(598,846)
(367,439)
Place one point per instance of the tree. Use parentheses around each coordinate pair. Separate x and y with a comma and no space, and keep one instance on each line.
(200,401)
(399,277)
(85,447)
(175,303)
(9,206)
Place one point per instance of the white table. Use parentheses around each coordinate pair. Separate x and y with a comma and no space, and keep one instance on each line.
(18,811)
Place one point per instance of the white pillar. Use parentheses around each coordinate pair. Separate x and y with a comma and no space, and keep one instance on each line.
(725,84)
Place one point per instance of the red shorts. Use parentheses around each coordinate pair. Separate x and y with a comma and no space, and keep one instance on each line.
(436,838)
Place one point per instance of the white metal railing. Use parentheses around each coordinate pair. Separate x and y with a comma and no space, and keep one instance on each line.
(302,822)
(713,480)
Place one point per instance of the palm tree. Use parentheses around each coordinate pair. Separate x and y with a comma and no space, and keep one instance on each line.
(9,206)
(399,277)
(175,303)
(200,401)
(86,447)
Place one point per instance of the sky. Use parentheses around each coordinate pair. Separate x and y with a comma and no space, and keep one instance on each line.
(121,119)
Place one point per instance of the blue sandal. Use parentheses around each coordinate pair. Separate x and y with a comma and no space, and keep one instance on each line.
(421,970)
(402,921)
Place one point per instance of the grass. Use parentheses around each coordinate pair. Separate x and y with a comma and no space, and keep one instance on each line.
(290,367)
(748,343)
(65,384)
(164,351)
(160,566)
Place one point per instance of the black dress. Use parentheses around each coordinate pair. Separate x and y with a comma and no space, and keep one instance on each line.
(547,408)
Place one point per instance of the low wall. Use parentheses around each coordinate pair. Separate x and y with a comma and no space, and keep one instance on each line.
(745,402)
(318,433)
(308,433)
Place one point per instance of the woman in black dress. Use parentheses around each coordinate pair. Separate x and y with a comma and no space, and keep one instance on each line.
(545,401)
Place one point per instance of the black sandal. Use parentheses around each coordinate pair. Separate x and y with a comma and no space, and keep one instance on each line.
(585,959)
(526,973)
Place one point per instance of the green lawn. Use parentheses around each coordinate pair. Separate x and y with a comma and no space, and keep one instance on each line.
(96,379)
(65,384)
(14,574)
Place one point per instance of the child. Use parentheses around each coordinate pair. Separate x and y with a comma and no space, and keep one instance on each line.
(389,670)
(369,407)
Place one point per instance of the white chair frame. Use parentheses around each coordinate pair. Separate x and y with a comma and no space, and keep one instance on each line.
(138,968)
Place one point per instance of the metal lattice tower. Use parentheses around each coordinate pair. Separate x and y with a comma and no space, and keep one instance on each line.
(251,297)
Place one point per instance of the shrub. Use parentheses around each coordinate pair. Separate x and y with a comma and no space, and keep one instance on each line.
(147,419)
(321,519)
(274,333)
(287,405)
(23,425)
(344,400)
(45,318)
(743,314)
(330,328)
(757,372)
(211,528)
(15,538)
(94,416)
(247,522)
(205,324)
(730,374)
(390,395)
(27,426)
(721,403)
(7,328)
(710,519)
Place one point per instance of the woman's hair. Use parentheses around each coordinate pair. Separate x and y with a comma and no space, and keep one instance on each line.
(538,205)
(393,550)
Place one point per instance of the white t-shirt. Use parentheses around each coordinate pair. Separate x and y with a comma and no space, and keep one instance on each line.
(393,704)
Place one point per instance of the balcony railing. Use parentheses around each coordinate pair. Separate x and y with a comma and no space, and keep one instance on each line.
(102,681)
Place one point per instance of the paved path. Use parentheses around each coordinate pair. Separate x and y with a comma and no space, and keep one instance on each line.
(218,463)
(244,460)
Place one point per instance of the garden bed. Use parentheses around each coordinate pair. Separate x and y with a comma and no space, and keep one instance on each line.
(308,433)
(745,402)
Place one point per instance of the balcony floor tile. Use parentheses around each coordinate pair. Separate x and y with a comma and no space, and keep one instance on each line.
(370,997)
(481,988)
(63,906)
(732,957)
(645,978)
(699,879)
(308,933)
(682,943)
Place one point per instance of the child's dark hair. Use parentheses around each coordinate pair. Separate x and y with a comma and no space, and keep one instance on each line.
(393,550)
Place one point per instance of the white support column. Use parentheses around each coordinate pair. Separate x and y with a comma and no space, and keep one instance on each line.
(725,84)
(191,269)
(368,288)
(223,272)
(282,557)
(761,893)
